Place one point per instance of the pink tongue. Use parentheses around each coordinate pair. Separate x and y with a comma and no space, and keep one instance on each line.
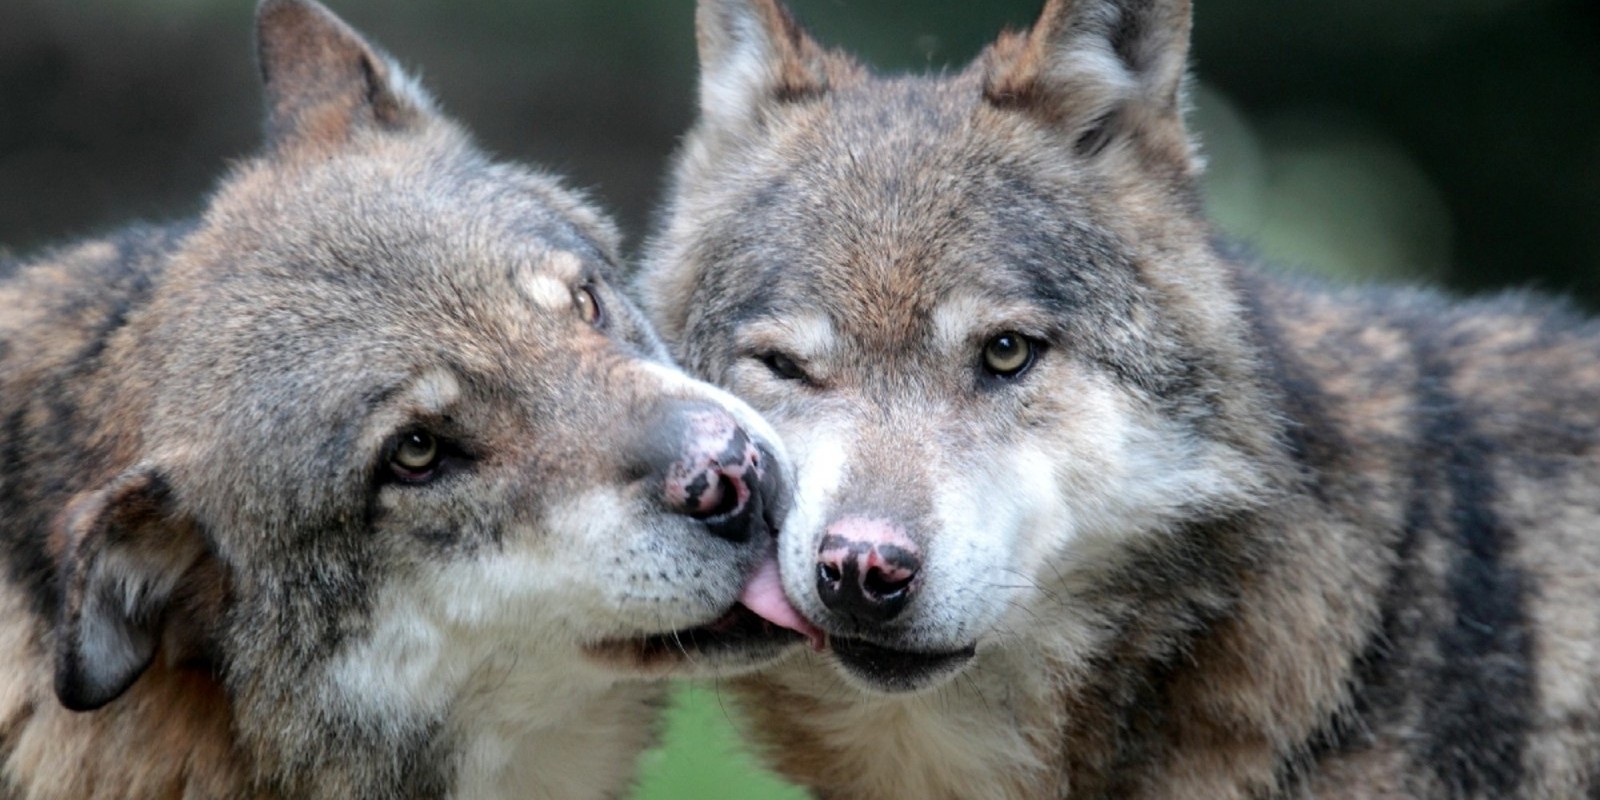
(764,596)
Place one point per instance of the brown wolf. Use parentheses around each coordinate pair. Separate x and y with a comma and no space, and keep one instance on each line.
(1087,505)
(368,483)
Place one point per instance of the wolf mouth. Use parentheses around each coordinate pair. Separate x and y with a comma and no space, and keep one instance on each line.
(897,670)
(739,630)
(760,623)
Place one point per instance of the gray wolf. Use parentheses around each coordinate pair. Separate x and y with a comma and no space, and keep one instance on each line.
(366,483)
(1087,504)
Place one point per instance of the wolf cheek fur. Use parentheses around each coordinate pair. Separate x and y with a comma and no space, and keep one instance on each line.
(1176,527)
(368,483)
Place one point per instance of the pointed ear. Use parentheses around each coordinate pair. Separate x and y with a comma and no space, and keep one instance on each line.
(123,555)
(752,52)
(1098,69)
(324,81)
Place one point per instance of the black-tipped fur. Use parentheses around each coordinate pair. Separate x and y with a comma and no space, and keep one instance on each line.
(1231,536)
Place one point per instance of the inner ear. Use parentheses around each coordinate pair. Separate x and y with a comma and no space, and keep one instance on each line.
(753,52)
(125,554)
(1096,69)
(323,80)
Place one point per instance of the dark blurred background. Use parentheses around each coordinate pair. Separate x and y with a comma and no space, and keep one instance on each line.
(1442,140)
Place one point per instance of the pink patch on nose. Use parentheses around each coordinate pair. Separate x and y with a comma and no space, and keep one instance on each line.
(871,531)
(711,477)
(890,571)
(867,569)
(871,545)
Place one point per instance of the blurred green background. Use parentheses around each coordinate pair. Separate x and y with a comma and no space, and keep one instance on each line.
(1448,141)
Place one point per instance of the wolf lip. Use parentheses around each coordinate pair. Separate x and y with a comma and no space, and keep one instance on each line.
(897,670)
(762,617)
(738,629)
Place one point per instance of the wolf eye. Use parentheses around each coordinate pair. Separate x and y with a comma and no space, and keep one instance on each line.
(1008,355)
(588,305)
(415,457)
(783,367)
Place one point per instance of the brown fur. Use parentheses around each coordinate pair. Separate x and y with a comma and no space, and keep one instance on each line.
(1357,557)
(360,485)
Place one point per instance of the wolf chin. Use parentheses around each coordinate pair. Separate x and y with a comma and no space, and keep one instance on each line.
(1087,504)
(366,484)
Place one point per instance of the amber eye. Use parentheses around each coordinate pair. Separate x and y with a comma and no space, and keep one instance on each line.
(1008,355)
(415,456)
(588,305)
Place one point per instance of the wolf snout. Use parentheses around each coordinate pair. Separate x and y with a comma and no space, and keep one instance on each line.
(718,473)
(867,569)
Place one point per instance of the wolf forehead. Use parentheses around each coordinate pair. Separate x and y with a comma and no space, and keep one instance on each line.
(311,303)
(439,214)
(421,246)
(996,256)
(856,199)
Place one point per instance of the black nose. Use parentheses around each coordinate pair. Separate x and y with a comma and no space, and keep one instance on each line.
(719,474)
(867,569)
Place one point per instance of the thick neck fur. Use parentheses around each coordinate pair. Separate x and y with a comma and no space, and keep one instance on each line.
(173,735)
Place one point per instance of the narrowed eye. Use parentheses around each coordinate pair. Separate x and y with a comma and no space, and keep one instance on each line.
(783,366)
(1008,355)
(415,457)
(588,305)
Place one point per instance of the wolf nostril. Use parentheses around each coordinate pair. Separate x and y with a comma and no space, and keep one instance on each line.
(829,573)
(884,585)
(867,570)
(733,512)
(720,499)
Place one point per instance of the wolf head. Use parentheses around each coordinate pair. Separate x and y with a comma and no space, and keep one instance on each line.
(982,309)
(390,449)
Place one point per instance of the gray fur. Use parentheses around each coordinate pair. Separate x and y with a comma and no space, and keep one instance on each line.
(220,581)
(1231,536)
